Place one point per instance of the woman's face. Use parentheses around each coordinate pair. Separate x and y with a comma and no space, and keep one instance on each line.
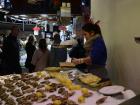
(87,35)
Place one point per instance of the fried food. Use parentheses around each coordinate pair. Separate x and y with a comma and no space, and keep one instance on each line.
(17,93)
(10,101)
(81,99)
(25,89)
(89,78)
(53,68)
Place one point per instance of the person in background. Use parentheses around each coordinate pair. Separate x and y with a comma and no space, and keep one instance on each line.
(56,39)
(96,53)
(40,59)
(11,55)
(58,54)
(78,51)
(30,49)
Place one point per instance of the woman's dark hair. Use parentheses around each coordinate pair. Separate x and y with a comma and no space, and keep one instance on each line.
(31,39)
(80,41)
(57,39)
(43,45)
(15,28)
(90,27)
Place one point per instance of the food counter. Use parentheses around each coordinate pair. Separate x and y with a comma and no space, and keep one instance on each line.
(51,88)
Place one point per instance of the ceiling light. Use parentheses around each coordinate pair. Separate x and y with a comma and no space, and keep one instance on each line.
(24,15)
(5,11)
(23,18)
(30,19)
(83,3)
(16,16)
(0,6)
(44,15)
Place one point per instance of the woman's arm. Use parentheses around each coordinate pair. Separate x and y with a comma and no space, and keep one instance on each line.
(86,60)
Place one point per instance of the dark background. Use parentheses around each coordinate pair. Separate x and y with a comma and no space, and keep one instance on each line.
(45,6)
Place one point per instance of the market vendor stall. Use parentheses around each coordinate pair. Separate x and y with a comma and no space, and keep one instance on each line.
(50,88)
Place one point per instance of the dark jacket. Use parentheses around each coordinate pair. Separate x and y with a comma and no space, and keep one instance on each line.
(30,49)
(78,51)
(11,55)
(57,55)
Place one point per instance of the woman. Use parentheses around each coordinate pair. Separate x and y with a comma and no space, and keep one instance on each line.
(30,49)
(78,51)
(11,53)
(96,54)
(41,56)
(57,54)
(56,39)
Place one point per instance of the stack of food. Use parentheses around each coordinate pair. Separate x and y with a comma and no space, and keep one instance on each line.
(40,88)
(89,79)
(67,64)
(54,69)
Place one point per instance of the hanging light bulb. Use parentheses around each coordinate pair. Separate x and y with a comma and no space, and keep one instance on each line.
(0,6)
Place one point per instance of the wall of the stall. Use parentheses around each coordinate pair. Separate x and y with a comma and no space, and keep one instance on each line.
(120,20)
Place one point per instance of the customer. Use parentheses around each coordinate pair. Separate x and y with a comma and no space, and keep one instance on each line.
(78,51)
(41,56)
(58,54)
(96,54)
(11,55)
(56,39)
(30,49)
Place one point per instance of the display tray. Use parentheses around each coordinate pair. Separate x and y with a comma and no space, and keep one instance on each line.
(67,64)
(57,69)
(40,88)
(93,81)
(48,88)
(53,69)
(89,79)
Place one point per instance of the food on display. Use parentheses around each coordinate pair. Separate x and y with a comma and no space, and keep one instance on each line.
(40,74)
(45,82)
(84,90)
(89,79)
(10,101)
(30,90)
(57,102)
(25,87)
(53,68)
(39,87)
(40,94)
(81,99)
(16,93)
(101,100)
(67,64)
(4,96)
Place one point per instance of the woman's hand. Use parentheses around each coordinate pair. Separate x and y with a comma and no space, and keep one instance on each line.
(75,61)
(87,60)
